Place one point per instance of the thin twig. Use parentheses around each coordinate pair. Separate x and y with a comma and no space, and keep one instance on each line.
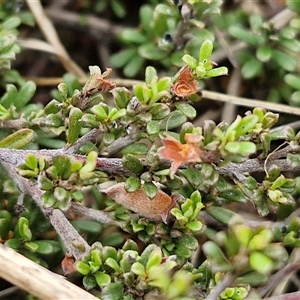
(221,286)
(15,124)
(8,291)
(229,109)
(277,277)
(72,149)
(99,28)
(97,215)
(37,45)
(247,102)
(119,144)
(289,296)
(74,242)
(115,166)
(50,33)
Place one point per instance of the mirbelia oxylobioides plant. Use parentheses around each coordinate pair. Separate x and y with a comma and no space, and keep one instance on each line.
(154,175)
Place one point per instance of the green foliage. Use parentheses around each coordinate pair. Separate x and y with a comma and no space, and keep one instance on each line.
(245,251)
(156,38)
(24,242)
(208,175)
(63,178)
(125,273)
(275,52)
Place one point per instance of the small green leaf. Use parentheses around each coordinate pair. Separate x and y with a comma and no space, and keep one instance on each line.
(48,199)
(284,60)
(90,163)
(61,194)
(290,44)
(251,68)
(264,53)
(246,36)
(216,72)
(132,184)
(62,165)
(188,241)
(242,148)
(82,267)
(253,278)
(133,66)
(175,183)
(5,223)
(132,36)
(150,73)
(108,138)
(130,245)
(164,84)
(155,259)
(246,125)
(233,195)
(63,91)
(142,92)
(261,240)
(221,214)
(150,189)
(31,161)
(122,57)
(31,246)
(153,127)
(182,251)
(174,120)
(75,125)
(138,269)
(113,264)
(136,149)
(159,111)
(46,184)
(13,243)
(18,139)
(25,94)
(132,163)
(47,247)
(186,109)
(122,96)
(11,23)
(293,80)
(113,291)
(89,282)
(100,112)
(205,50)
(260,262)
(293,159)
(118,8)
(151,52)
(193,176)
(180,284)
(190,61)
(118,114)
(214,252)
(24,230)
(90,227)
(194,225)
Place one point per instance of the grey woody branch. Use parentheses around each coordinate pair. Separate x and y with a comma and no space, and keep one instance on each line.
(114,166)
(74,242)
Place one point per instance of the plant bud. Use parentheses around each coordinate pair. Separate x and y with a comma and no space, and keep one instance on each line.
(156,209)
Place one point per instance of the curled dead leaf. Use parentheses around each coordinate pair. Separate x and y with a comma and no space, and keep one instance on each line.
(186,85)
(156,209)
